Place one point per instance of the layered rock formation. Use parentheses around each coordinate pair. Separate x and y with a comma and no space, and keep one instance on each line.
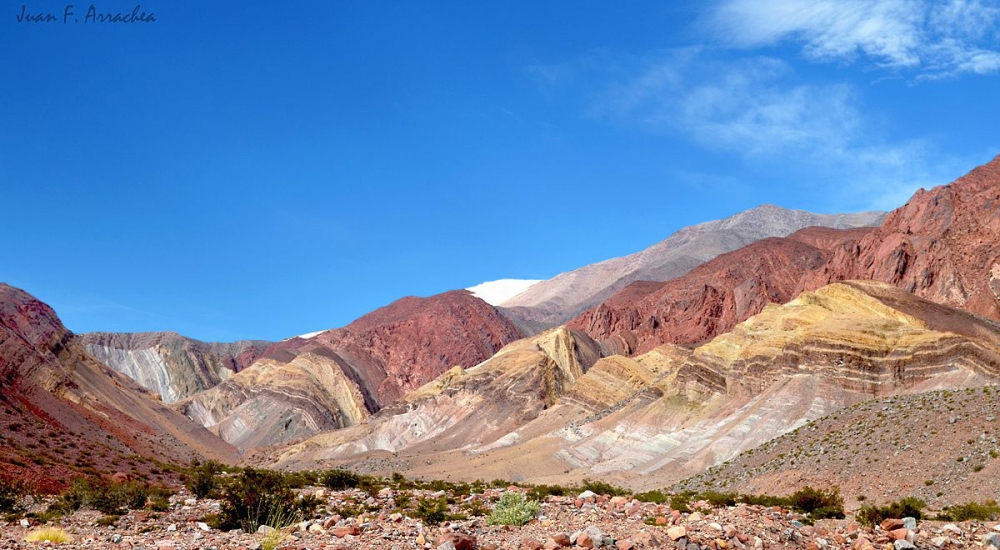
(170,364)
(670,412)
(53,391)
(338,377)
(944,244)
(713,297)
(565,296)
(468,407)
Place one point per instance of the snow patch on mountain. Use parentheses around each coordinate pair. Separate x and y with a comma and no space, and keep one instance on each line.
(497,292)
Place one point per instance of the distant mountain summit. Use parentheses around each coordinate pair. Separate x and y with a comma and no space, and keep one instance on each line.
(557,300)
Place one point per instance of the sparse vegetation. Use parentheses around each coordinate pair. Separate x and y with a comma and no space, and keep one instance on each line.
(259,497)
(513,508)
(989,510)
(12,493)
(201,477)
(904,507)
(54,535)
(341,479)
(111,498)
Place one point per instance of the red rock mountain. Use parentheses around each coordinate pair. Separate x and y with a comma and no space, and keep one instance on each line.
(943,245)
(54,393)
(337,378)
(714,297)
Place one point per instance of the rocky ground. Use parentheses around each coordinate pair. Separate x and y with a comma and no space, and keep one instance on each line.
(583,521)
(940,446)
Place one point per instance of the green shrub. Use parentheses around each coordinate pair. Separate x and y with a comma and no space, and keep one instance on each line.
(818,504)
(201,477)
(541,492)
(719,499)
(12,493)
(513,508)
(871,516)
(259,497)
(111,498)
(986,511)
(656,497)
(341,479)
(602,488)
(681,501)
(432,510)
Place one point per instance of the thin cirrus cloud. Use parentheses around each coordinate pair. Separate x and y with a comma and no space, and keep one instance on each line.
(759,109)
(753,106)
(930,39)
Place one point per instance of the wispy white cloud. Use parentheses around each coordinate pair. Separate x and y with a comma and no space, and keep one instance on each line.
(759,108)
(931,39)
(753,106)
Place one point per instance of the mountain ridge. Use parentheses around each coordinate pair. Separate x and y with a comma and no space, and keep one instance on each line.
(568,294)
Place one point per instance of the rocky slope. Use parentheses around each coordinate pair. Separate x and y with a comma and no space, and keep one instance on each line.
(944,245)
(671,412)
(557,300)
(338,377)
(170,364)
(65,413)
(939,446)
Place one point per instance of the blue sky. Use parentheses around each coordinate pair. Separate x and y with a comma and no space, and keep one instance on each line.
(256,170)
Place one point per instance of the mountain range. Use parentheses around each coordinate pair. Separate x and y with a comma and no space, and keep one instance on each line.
(645,370)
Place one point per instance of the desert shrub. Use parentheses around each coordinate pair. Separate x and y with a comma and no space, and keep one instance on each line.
(986,511)
(817,503)
(719,499)
(432,510)
(403,499)
(341,479)
(111,498)
(513,508)
(656,497)
(766,500)
(904,507)
(201,477)
(540,492)
(602,488)
(476,507)
(52,534)
(12,493)
(259,497)
(681,501)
